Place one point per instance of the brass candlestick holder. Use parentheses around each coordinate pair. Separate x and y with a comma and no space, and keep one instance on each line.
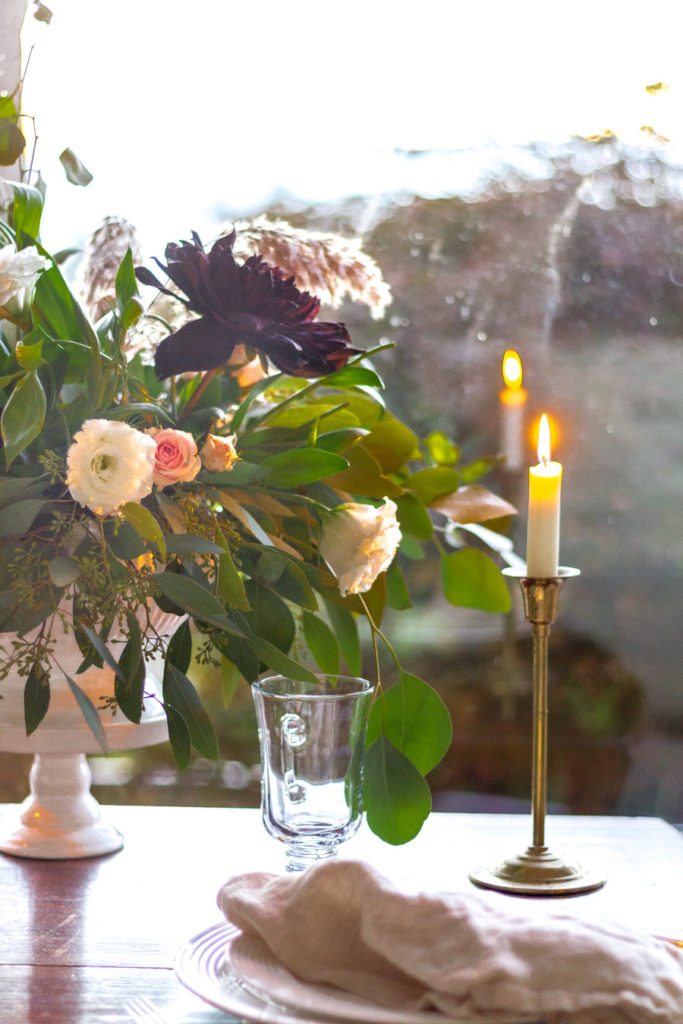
(538,871)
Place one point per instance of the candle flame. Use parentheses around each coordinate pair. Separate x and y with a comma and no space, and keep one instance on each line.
(544,439)
(512,369)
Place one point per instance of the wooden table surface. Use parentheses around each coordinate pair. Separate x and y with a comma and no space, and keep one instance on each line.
(78,938)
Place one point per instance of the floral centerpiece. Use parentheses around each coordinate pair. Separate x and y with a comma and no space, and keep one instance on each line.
(222,454)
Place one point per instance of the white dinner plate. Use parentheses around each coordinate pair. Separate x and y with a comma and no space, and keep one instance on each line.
(247,980)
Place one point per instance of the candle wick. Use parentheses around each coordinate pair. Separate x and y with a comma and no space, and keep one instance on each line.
(544,460)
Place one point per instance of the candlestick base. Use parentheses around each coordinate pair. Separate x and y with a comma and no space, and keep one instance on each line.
(538,872)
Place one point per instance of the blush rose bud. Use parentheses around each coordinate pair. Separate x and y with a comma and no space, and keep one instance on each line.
(218,453)
(359,542)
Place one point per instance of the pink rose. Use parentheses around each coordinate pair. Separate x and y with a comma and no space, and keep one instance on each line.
(218,453)
(176,458)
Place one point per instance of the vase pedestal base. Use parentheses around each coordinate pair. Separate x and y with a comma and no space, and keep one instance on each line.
(60,819)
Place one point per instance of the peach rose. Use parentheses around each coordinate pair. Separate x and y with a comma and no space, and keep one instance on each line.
(176,459)
(218,453)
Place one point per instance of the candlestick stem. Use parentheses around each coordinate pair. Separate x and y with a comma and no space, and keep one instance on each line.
(539,776)
(538,871)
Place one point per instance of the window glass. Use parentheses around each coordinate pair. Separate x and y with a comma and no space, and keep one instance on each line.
(519,180)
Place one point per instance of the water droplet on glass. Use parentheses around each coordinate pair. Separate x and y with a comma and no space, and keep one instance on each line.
(293,730)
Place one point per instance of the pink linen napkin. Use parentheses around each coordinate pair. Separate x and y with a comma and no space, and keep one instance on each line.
(344,924)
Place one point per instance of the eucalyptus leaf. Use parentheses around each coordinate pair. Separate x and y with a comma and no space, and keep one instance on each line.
(182,695)
(429,484)
(396,797)
(63,570)
(17,518)
(179,650)
(279,662)
(415,719)
(36,698)
(346,630)
(191,543)
(321,642)
(302,466)
(472,580)
(230,583)
(89,712)
(129,681)
(179,737)
(142,520)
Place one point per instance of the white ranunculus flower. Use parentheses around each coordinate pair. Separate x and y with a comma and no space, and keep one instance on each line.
(108,464)
(359,542)
(18,272)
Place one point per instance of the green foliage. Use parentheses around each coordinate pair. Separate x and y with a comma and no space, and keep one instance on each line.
(234,550)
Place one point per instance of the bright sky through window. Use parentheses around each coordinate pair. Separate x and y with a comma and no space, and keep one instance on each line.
(176,105)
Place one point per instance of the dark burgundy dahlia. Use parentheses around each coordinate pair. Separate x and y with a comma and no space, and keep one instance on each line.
(250,304)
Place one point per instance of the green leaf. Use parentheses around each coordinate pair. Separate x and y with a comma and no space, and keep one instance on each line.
(124,540)
(279,662)
(99,645)
(63,570)
(14,488)
(127,411)
(346,631)
(321,642)
(392,443)
(191,544)
(431,483)
(398,596)
(442,451)
(302,466)
(416,721)
(179,651)
(472,580)
(130,680)
(413,517)
(354,376)
(144,523)
(23,416)
(55,309)
(270,616)
(179,737)
(12,142)
(181,695)
(29,352)
(230,583)
(253,393)
(36,698)
(17,518)
(189,595)
(396,797)
(126,283)
(230,679)
(89,712)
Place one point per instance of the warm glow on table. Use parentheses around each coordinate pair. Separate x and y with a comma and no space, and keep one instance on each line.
(543,529)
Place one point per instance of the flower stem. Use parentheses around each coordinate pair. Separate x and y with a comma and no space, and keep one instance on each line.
(199,391)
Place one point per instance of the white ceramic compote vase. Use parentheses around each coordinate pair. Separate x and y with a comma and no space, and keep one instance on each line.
(60,819)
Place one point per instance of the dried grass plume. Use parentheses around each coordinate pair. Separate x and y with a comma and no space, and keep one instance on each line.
(326,265)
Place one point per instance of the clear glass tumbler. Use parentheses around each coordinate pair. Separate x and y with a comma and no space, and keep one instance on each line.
(312,740)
